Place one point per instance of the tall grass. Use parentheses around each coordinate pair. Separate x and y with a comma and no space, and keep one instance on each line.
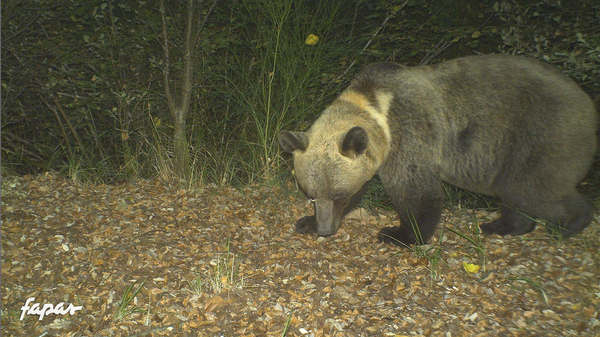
(263,78)
(267,79)
(277,76)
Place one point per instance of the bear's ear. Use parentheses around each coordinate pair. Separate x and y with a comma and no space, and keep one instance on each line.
(355,142)
(292,141)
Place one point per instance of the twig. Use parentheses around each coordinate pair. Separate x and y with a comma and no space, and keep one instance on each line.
(73,131)
(62,129)
(393,13)
(151,331)
(17,147)
(445,44)
(440,47)
(167,65)
(201,25)
(75,134)
(486,21)
(354,18)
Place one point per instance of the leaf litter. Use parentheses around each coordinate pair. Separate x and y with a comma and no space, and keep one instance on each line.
(226,262)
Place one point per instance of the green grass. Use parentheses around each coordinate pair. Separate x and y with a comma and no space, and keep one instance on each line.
(222,275)
(431,252)
(456,196)
(274,86)
(476,244)
(255,76)
(288,323)
(124,307)
(537,287)
(555,233)
(376,198)
(196,286)
(270,80)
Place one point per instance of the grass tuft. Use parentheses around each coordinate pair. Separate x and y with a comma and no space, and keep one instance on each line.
(222,275)
(533,284)
(196,286)
(124,309)
(431,252)
(475,241)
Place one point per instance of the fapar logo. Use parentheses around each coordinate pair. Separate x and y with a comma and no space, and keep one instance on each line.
(48,308)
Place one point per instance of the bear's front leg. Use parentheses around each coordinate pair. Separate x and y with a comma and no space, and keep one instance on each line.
(416,228)
(418,199)
(400,236)
(307,224)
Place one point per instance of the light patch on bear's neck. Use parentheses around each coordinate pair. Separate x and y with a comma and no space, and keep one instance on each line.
(384,100)
(355,98)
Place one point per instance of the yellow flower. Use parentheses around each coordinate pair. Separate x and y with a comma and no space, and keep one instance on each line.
(471,268)
(312,40)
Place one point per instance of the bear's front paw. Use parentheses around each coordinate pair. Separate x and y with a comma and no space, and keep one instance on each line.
(397,236)
(307,224)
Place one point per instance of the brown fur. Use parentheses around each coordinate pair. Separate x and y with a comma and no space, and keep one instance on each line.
(510,127)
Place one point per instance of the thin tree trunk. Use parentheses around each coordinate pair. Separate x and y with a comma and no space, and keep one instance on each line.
(179,109)
(181,149)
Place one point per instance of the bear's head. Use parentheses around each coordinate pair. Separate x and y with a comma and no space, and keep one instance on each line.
(331,165)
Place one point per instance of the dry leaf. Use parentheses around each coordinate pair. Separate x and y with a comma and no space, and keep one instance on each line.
(214,303)
(349,282)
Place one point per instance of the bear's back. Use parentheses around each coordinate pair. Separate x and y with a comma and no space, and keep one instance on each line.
(482,111)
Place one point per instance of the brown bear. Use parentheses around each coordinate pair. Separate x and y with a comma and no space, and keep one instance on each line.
(510,127)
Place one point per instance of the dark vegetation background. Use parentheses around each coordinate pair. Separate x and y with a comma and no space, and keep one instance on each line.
(83,90)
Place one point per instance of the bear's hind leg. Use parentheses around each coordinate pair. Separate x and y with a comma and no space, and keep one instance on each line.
(577,213)
(566,216)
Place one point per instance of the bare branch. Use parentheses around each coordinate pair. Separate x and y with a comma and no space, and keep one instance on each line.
(203,23)
(438,49)
(167,65)
(392,14)
(187,82)
(69,125)
(62,129)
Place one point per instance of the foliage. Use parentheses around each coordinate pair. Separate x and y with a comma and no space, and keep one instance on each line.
(84,60)
(566,35)
(278,85)
(82,91)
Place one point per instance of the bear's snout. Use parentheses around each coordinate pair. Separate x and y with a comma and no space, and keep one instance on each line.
(327,222)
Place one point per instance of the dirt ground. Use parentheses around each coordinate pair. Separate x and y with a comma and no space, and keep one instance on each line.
(143,259)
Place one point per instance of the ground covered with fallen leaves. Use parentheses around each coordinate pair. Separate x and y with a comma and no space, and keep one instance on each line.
(145,259)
